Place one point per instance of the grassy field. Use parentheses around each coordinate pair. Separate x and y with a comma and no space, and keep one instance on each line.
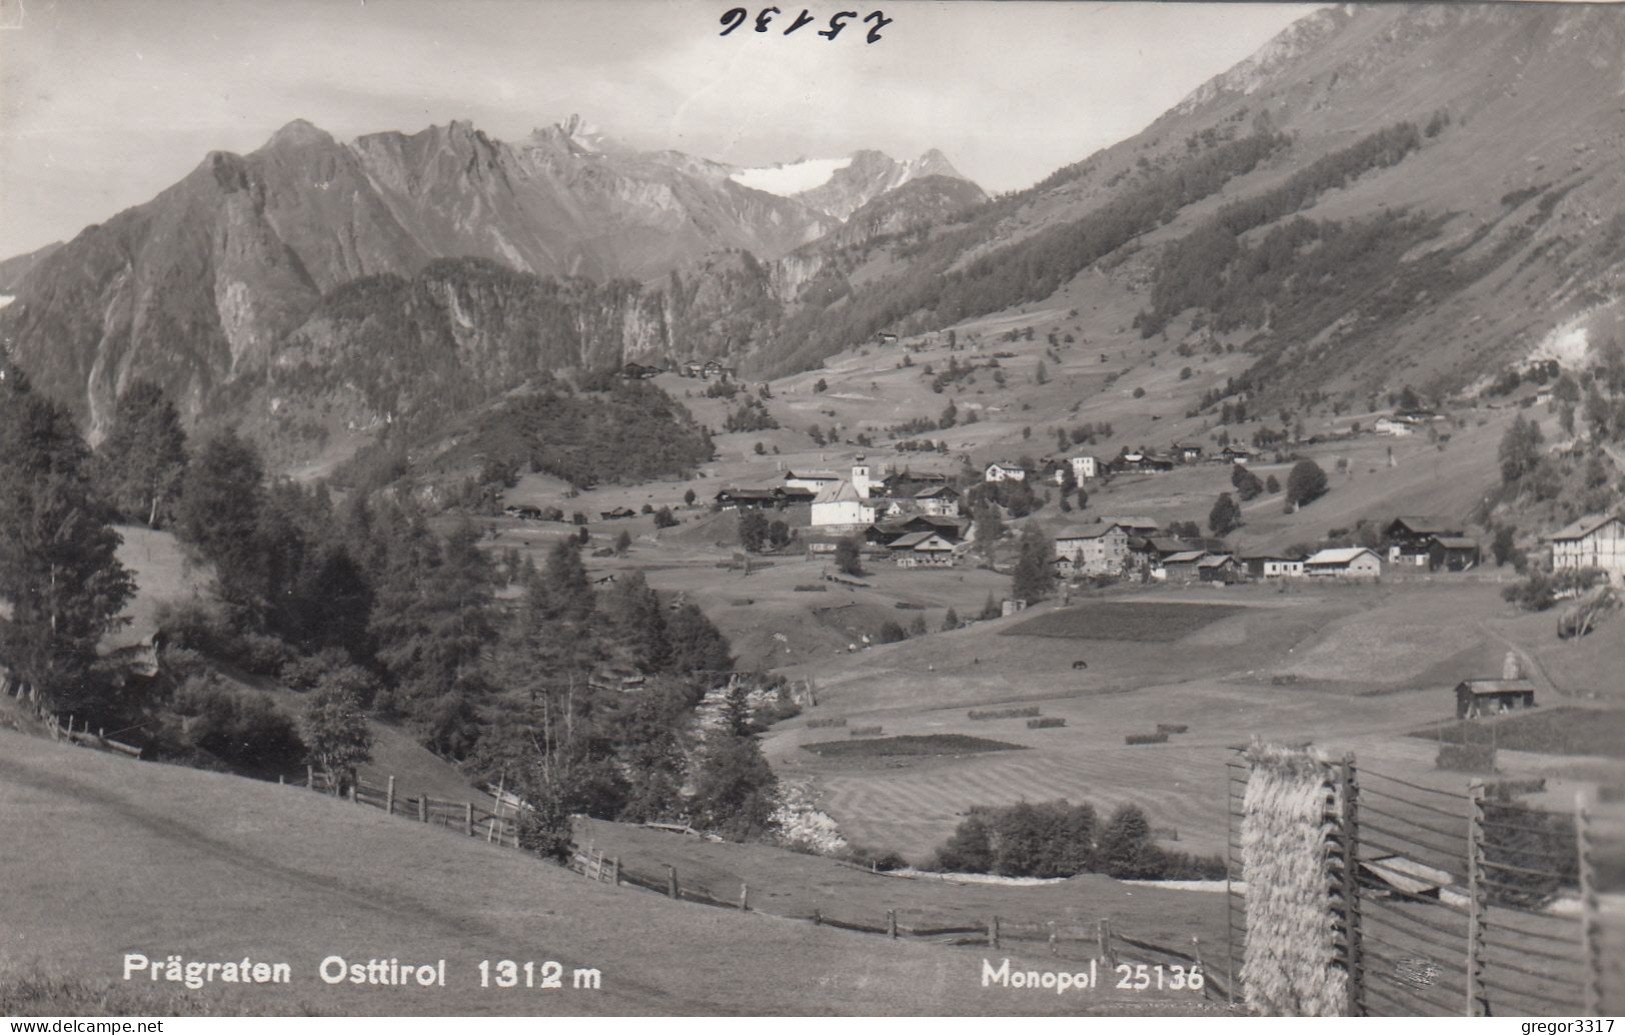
(1552,731)
(105,856)
(1346,668)
(1141,621)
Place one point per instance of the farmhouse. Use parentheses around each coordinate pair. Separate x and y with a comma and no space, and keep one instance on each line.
(523,512)
(1134,525)
(747,499)
(942,500)
(922,550)
(1452,553)
(1182,566)
(1098,550)
(617,513)
(1348,562)
(1409,538)
(1591,542)
(1188,452)
(692,368)
(1390,426)
(840,504)
(813,481)
(1476,697)
(1272,565)
(1140,463)
(1233,454)
(1004,471)
(638,372)
(1218,568)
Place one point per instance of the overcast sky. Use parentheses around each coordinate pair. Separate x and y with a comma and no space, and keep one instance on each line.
(103,103)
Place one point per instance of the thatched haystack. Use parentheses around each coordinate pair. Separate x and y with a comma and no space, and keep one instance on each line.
(1288,968)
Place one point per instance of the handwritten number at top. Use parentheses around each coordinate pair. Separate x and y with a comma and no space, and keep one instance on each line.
(735,17)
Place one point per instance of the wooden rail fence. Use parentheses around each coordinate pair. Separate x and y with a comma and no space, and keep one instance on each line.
(1067,940)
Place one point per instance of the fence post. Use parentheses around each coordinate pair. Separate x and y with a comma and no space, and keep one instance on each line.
(1590,924)
(891,923)
(615,870)
(1229,895)
(389,797)
(1354,964)
(1196,954)
(744,896)
(468,818)
(671,881)
(423,809)
(1477,902)
(310,777)
(818,917)
(355,795)
(1103,935)
(993,932)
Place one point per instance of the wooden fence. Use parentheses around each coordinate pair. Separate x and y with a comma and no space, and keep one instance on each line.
(1066,940)
(85,738)
(498,827)
(1448,902)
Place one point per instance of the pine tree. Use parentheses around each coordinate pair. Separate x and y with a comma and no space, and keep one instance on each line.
(219,513)
(735,790)
(638,622)
(1034,575)
(1225,517)
(141,463)
(698,649)
(59,569)
(950,620)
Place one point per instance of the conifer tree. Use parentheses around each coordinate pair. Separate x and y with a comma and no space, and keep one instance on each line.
(141,463)
(59,569)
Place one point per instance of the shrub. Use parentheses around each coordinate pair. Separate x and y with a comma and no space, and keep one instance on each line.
(814,724)
(807,587)
(1046,723)
(873,858)
(865,731)
(241,729)
(1171,727)
(1145,738)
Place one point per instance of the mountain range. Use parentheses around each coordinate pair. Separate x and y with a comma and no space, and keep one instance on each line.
(1388,193)
(214,279)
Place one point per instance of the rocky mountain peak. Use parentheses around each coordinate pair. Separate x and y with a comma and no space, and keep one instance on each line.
(296,134)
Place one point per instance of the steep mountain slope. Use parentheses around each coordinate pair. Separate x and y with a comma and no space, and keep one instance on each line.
(202,285)
(1497,223)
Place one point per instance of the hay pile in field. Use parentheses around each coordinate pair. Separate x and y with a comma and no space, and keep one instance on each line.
(1285,847)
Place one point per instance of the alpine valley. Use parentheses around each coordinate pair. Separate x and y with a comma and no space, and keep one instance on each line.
(1381,194)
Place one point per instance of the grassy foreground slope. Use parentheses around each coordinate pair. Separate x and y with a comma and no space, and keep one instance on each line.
(105,855)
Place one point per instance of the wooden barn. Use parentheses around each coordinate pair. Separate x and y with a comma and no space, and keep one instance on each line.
(1478,697)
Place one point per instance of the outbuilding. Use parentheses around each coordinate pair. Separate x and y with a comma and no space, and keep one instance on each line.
(1478,697)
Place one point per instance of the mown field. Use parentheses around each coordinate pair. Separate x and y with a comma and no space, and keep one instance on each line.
(1347,669)
(1139,621)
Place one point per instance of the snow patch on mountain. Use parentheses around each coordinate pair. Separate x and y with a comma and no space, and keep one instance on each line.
(790,178)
